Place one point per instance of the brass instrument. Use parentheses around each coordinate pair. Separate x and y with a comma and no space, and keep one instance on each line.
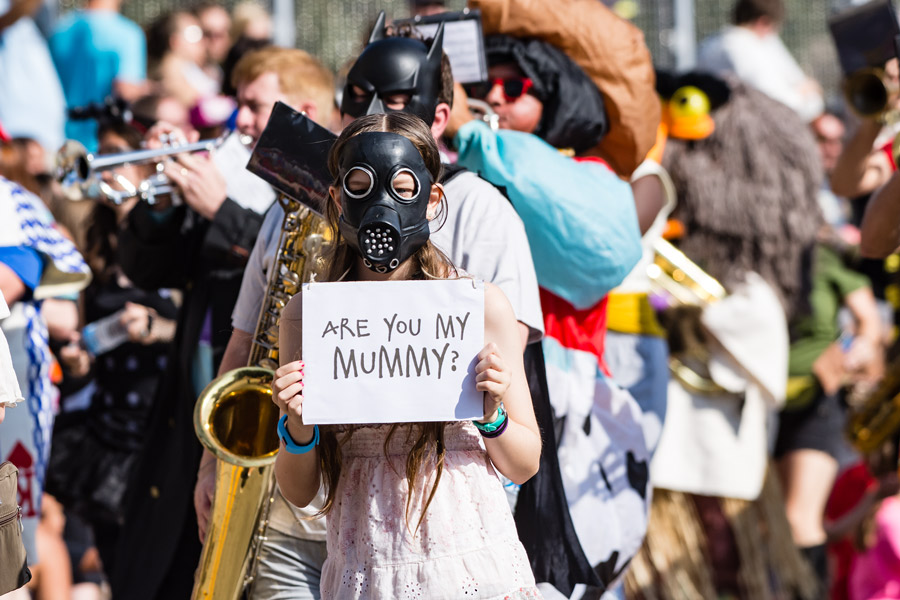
(870,93)
(482,111)
(895,149)
(236,420)
(877,420)
(683,283)
(680,279)
(235,417)
(80,172)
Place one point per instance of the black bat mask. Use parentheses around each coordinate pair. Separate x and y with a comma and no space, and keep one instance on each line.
(395,65)
(384,227)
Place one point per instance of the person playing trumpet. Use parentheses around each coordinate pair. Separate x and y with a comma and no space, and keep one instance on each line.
(111,431)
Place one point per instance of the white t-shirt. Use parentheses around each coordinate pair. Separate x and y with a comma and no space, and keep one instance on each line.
(763,63)
(10,394)
(482,235)
(638,281)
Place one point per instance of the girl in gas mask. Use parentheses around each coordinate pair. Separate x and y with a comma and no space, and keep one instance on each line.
(439,525)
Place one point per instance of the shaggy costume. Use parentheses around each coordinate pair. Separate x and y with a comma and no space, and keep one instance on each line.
(582,227)
(747,198)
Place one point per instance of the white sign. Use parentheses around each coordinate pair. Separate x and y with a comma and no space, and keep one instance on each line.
(464,45)
(392,351)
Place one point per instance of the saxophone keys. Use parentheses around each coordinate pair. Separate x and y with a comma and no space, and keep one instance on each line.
(291,282)
(268,363)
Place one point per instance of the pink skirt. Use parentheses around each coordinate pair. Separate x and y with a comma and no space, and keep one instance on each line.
(465,547)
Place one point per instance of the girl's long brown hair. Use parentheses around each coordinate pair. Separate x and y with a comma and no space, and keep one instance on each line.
(427,263)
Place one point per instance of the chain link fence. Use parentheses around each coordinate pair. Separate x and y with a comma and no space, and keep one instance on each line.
(335,30)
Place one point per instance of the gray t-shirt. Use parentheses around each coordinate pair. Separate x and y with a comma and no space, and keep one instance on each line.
(482,235)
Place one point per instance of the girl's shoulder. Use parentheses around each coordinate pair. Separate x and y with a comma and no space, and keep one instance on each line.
(494,298)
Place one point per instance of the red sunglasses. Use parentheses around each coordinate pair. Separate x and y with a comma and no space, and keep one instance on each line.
(513,88)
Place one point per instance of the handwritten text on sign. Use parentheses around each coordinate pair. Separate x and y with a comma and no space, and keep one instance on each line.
(392,352)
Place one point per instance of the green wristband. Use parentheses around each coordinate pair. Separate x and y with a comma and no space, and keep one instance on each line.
(493,425)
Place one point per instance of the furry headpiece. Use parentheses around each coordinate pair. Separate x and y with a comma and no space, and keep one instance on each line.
(747,194)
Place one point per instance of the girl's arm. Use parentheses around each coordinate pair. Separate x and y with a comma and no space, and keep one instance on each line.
(501,375)
(297,474)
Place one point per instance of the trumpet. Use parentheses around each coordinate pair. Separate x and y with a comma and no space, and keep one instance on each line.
(870,93)
(482,111)
(80,172)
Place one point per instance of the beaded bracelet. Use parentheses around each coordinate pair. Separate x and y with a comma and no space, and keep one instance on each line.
(496,427)
(289,444)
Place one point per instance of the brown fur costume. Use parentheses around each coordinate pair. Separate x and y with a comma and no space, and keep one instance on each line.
(747,194)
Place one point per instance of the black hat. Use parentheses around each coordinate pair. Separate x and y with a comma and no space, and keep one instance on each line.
(573,115)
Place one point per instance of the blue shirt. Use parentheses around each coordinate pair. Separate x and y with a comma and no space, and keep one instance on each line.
(31,98)
(25,262)
(92,49)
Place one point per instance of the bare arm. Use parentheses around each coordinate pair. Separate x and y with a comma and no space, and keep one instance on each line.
(61,317)
(649,199)
(523,334)
(517,451)
(881,223)
(861,170)
(862,304)
(130,91)
(865,358)
(12,287)
(297,474)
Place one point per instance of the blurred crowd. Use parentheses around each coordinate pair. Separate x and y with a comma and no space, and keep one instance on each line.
(703,266)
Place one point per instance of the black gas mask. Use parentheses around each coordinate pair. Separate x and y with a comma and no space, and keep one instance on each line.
(395,65)
(377,221)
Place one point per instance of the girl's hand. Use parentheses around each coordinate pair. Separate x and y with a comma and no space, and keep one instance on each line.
(493,378)
(75,358)
(287,394)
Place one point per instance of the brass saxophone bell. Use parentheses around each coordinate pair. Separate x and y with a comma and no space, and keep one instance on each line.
(229,424)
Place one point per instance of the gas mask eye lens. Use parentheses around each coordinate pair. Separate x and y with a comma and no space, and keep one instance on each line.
(358,182)
(405,184)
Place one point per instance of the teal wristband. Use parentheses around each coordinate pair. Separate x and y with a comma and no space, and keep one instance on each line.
(290,445)
(493,425)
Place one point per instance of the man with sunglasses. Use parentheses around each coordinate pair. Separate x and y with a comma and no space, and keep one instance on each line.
(582,224)
(480,233)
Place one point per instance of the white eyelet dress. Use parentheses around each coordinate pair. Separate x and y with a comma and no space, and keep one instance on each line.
(465,547)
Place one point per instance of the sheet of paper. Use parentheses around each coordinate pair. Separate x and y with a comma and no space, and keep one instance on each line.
(392,352)
(464,46)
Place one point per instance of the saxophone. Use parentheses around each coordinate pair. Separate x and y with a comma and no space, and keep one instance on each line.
(877,419)
(236,420)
